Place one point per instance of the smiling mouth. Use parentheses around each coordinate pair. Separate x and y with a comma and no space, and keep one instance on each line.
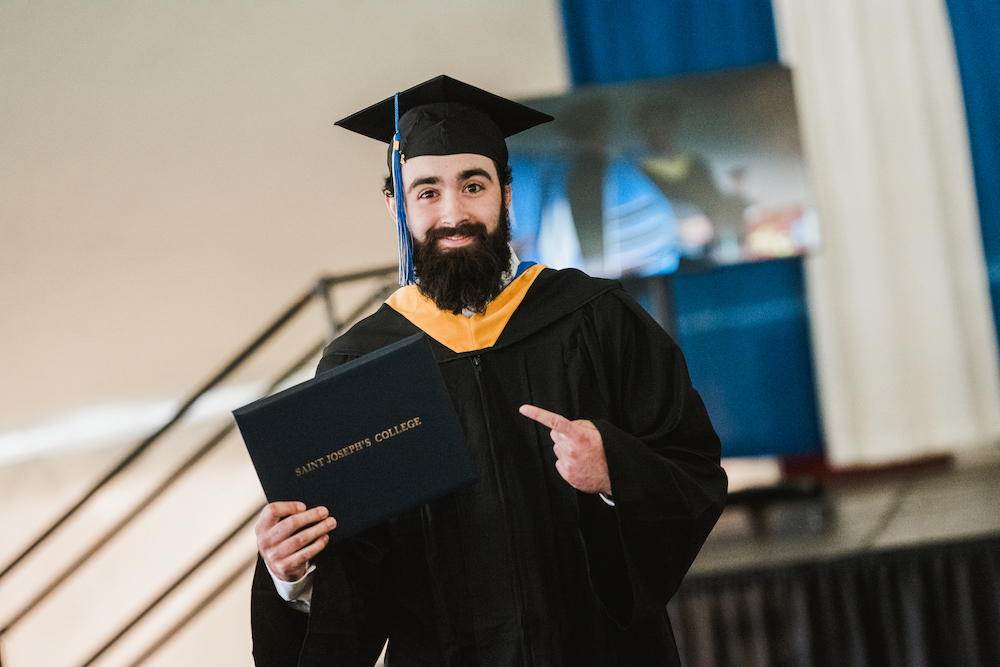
(455,240)
(454,237)
(456,232)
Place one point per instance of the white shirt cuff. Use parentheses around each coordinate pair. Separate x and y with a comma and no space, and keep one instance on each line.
(298,592)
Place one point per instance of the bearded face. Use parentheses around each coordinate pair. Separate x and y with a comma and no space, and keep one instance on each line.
(465,277)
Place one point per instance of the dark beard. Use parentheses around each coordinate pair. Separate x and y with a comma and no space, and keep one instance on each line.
(468,277)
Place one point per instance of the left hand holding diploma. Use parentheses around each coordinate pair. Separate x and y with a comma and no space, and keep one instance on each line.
(578,448)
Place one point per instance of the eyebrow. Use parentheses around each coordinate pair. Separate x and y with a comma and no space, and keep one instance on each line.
(426,180)
(476,171)
(465,175)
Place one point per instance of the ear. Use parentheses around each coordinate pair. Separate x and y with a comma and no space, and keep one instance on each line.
(390,203)
(507,196)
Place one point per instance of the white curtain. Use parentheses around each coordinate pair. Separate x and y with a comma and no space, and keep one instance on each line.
(904,339)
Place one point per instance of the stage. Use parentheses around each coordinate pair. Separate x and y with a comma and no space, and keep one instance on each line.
(893,570)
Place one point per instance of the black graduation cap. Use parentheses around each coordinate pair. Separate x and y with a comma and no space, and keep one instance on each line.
(441,116)
(444,116)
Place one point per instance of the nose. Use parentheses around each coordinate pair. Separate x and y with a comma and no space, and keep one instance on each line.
(453,211)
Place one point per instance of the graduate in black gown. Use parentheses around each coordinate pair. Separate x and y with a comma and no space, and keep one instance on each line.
(599,474)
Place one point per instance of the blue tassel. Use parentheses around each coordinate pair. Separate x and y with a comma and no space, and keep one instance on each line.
(406,274)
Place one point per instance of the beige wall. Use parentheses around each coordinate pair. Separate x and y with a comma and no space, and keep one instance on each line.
(170,176)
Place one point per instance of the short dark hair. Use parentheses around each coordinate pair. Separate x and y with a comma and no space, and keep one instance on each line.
(504,173)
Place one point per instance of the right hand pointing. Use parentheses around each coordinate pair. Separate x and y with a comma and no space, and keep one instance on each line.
(289,535)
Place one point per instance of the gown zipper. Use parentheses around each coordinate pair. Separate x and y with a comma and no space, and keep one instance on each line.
(498,480)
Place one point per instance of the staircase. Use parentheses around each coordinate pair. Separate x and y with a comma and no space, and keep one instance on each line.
(150,563)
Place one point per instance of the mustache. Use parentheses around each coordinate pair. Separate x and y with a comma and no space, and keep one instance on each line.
(468,277)
(477,229)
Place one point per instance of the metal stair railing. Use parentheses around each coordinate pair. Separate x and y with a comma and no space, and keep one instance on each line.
(195,611)
(322,289)
(206,557)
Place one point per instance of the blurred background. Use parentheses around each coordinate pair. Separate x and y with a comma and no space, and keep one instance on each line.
(171,182)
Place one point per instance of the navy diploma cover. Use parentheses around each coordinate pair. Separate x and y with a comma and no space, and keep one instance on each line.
(368,440)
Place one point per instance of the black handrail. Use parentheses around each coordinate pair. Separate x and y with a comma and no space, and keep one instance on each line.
(175,584)
(223,586)
(139,507)
(374,298)
(130,458)
(322,289)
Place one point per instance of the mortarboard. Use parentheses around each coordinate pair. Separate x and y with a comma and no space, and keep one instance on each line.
(442,116)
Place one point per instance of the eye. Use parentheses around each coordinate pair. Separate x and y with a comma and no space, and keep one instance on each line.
(426,194)
(475,187)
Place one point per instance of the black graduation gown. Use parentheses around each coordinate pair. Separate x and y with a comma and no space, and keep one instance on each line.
(522,569)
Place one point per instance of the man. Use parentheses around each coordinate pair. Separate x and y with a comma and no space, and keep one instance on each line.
(599,473)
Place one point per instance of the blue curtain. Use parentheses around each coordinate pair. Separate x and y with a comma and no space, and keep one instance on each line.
(744,329)
(975,25)
(611,41)
(745,334)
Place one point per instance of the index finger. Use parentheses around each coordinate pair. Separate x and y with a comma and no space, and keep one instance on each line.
(554,421)
(275,512)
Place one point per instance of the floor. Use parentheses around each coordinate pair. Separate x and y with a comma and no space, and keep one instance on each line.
(960,502)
